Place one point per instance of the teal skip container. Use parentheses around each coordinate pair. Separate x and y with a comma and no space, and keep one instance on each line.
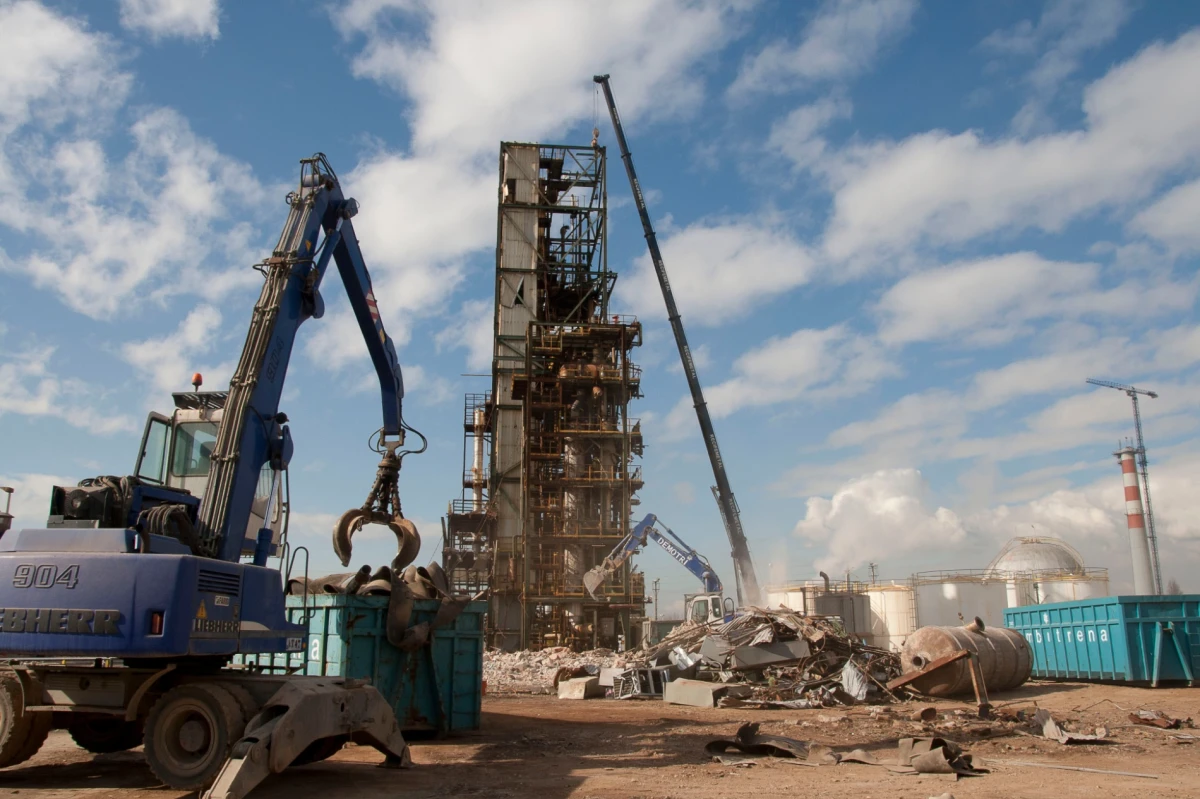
(437,688)
(1141,640)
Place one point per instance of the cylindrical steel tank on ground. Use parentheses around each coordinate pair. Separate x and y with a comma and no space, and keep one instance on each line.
(1004,657)
(893,615)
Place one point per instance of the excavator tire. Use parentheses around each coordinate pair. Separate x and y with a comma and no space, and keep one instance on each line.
(21,733)
(190,731)
(104,736)
(242,696)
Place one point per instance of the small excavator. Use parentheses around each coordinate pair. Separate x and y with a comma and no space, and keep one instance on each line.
(119,620)
(701,608)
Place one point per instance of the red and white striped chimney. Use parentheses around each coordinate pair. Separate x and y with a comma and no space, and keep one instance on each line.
(1139,546)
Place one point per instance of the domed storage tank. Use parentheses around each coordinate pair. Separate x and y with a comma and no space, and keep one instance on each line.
(1041,570)
(1003,654)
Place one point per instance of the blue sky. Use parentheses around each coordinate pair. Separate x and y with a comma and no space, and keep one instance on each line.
(902,235)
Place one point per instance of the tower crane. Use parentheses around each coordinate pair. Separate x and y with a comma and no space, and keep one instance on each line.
(743,566)
(1143,468)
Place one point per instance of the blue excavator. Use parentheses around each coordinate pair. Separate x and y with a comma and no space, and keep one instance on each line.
(702,608)
(120,620)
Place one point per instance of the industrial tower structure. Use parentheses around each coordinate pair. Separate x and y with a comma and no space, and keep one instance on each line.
(1148,510)
(549,455)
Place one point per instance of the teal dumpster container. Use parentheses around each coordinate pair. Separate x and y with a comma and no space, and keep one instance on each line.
(439,687)
(1125,639)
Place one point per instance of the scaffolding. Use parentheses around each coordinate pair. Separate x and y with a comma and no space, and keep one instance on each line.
(469,527)
(560,445)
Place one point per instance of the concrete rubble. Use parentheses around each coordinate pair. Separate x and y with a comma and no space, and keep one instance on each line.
(539,672)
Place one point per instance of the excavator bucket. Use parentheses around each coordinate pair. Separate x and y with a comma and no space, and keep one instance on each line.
(300,714)
(594,578)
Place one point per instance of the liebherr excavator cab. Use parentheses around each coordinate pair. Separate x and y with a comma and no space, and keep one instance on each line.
(176,453)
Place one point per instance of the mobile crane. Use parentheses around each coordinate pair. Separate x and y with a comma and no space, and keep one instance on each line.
(748,592)
(702,608)
(119,619)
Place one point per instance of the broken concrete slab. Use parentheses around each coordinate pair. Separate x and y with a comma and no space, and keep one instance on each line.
(698,693)
(580,688)
(607,676)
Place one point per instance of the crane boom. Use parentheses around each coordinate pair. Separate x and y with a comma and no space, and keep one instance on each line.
(1143,467)
(745,578)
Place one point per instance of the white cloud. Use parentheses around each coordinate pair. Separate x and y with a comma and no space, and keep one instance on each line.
(28,387)
(701,357)
(843,39)
(810,363)
(874,517)
(170,361)
(471,329)
(993,300)
(187,19)
(416,264)
(103,228)
(150,224)
(1066,31)
(797,136)
(719,271)
(478,73)
(54,69)
(979,302)
(31,497)
(1142,121)
(1174,218)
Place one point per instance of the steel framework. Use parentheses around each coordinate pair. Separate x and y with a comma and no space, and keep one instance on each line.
(560,446)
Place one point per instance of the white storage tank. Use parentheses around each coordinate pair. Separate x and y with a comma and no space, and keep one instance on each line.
(1045,569)
(1059,587)
(792,596)
(893,615)
(952,599)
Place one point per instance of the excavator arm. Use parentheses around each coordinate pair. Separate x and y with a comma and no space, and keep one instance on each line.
(253,432)
(671,543)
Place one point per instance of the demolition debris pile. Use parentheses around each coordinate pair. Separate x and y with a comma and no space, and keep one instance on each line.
(539,672)
(785,659)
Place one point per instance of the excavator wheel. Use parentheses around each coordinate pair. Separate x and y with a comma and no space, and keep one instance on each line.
(21,733)
(242,696)
(189,733)
(104,736)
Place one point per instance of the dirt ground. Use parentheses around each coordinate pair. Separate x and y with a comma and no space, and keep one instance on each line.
(538,746)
